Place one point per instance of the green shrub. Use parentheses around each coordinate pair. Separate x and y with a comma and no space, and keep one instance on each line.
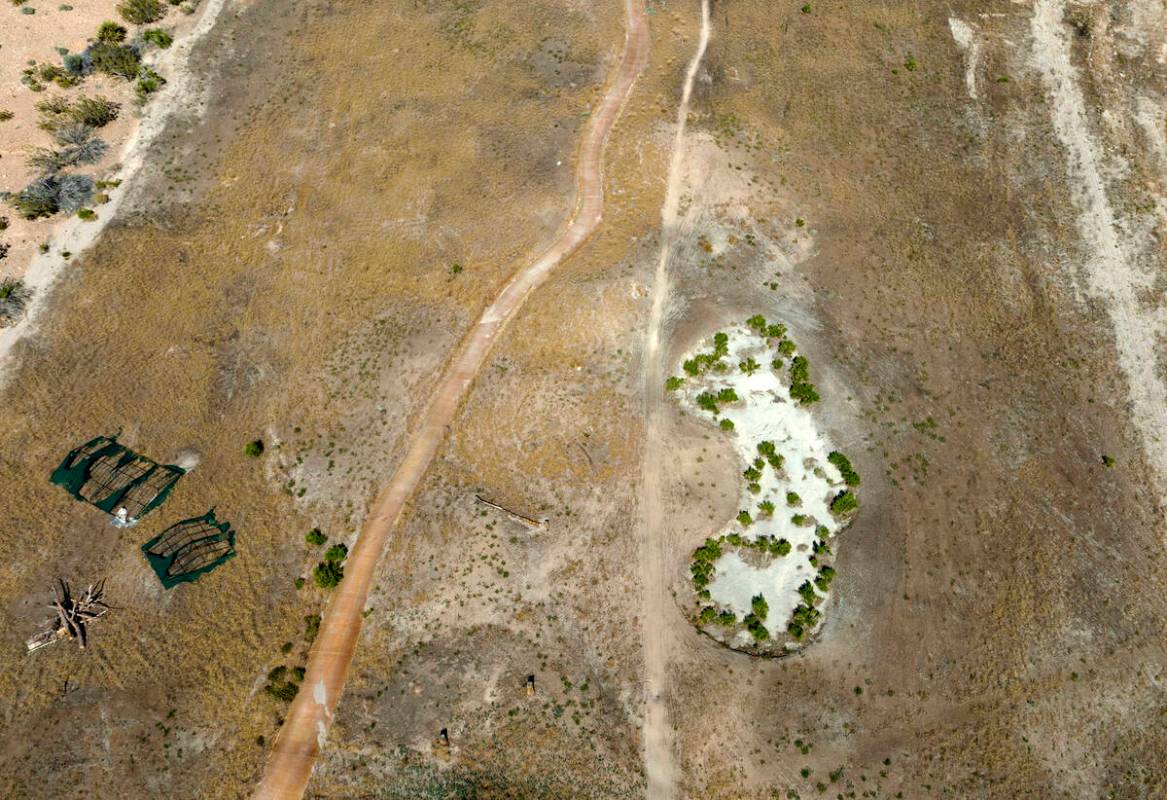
(726,424)
(298,583)
(804,393)
(328,574)
(708,402)
(708,615)
(775,331)
(674,383)
(756,628)
(766,507)
(311,627)
(692,366)
(1108,461)
(843,464)
(759,606)
(766,448)
(786,348)
(749,366)
(115,59)
(86,214)
(720,344)
(109,32)
(757,322)
(792,499)
(844,503)
(781,548)
(710,551)
(141,12)
(336,553)
(161,39)
(283,691)
(735,539)
(726,618)
(727,395)
(800,519)
(254,449)
(149,82)
(38,199)
(315,537)
(298,674)
(752,474)
(744,518)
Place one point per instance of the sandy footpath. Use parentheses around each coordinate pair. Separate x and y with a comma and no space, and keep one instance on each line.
(28,37)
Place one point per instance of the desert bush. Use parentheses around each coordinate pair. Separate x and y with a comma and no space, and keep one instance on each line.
(792,499)
(161,39)
(727,395)
(780,548)
(726,618)
(775,331)
(336,553)
(759,606)
(6,115)
(749,366)
(116,59)
(735,539)
(843,464)
(710,551)
(311,627)
(752,473)
(692,366)
(14,296)
(149,82)
(86,214)
(726,424)
(708,615)
(786,347)
(38,199)
(73,192)
(77,64)
(109,32)
(45,160)
(141,12)
(315,537)
(766,507)
(674,383)
(844,503)
(756,628)
(96,112)
(804,393)
(328,574)
(744,518)
(282,691)
(254,449)
(708,402)
(757,322)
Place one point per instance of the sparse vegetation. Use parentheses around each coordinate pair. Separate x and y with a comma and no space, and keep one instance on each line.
(109,32)
(254,449)
(159,38)
(141,12)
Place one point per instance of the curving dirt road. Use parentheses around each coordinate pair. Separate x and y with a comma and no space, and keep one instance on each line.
(306,726)
(659,757)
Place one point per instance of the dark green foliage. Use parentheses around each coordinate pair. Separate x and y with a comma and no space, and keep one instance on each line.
(823,581)
(328,574)
(766,507)
(109,32)
(799,370)
(843,464)
(781,547)
(336,553)
(727,395)
(726,424)
(1108,461)
(804,393)
(744,518)
(786,347)
(726,618)
(844,503)
(756,628)
(115,59)
(708,615)
(749,366)
(86,214)
(735,539)
(757,322)
(141,12)
(775,331)
(674,383)
(708,402)
(277,674)
(285,692)
(759,606)
(692,366)
(311,627)
(807,592)
(298,674)
(149,82)
(720,344)
(161,39)
(792,499)
(800,519)
(710,551)
(315,537)
(752,474)
(254,449)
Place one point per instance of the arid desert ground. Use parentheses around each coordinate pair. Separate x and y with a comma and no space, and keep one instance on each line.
(949,218)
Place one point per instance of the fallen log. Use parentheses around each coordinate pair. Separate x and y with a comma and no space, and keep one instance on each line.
(528,521)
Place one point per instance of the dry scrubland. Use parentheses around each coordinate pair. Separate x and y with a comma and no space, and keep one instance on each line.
(996,626)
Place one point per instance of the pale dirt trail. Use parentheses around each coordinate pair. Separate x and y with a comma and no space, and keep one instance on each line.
(310,715)
(1111,266)
(659,753)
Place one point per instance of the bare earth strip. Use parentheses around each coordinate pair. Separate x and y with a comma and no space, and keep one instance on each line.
(658,739)
(311,713)
(1110,267)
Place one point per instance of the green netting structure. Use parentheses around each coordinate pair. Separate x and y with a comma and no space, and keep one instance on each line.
(189,549)
(110,476)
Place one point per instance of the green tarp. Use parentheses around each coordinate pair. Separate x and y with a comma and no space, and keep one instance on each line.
(110,476)
(190,548)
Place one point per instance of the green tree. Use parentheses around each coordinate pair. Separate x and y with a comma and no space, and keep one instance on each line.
(315,537)
(328,574)
(759,606)
(844,503)
(254,449)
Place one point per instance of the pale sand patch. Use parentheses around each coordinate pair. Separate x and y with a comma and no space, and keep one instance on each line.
(129,140)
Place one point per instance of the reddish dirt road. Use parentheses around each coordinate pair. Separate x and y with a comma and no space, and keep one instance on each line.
(306,727)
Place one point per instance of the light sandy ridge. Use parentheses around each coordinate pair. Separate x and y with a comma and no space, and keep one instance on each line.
(1110,269)
(310,715)
(182,93)
(659,755)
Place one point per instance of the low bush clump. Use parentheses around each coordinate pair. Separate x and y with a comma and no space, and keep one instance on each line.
(141,12)
(109,32)
(844,503)
(315,537)
(254,449)
(116,59)
(843,464)
(328,574)
(158,37)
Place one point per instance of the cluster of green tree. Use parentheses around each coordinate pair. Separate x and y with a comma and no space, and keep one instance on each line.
(283,684)
(712,360)
(330,572)
(769,452)
(843,464)
(702,564)
(801,389)
(804,618)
